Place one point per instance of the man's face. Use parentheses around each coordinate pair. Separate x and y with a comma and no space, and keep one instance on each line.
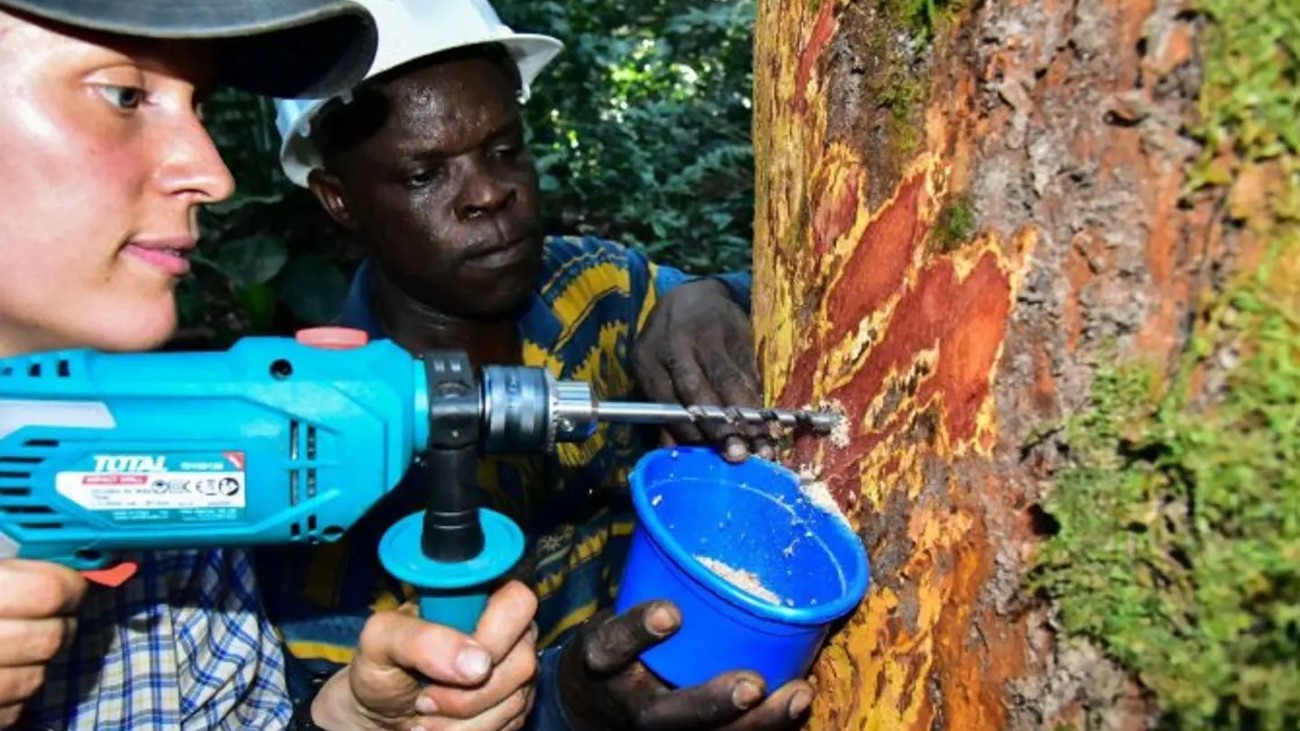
(444,191)
(103,162)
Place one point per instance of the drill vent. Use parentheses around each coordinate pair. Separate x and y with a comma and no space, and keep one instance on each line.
(15,485)
(36,366)
(302,475)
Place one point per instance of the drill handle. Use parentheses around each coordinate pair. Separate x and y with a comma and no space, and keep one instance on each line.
(451,521)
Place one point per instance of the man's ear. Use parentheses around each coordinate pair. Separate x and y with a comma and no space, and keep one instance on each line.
(329,191)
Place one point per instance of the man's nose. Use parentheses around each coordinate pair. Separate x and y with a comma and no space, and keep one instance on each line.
(483,194)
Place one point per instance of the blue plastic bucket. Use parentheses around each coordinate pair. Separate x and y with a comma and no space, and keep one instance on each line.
(699,515)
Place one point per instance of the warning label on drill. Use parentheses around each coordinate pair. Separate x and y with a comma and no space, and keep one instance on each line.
(159,487)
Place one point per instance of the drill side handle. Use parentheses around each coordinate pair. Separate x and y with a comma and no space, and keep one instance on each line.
(451,522)
(455,551)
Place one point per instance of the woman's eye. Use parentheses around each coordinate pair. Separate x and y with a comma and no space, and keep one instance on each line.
(123,97)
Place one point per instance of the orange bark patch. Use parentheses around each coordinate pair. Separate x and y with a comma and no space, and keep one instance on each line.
(1078,272)
(838,209)
(969,702)
(1044,393)
(1168,288)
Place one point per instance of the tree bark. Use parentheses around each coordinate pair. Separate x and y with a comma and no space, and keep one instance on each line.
(963,212)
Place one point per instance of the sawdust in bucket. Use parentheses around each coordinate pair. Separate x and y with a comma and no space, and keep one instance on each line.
(816,492)
(746,581)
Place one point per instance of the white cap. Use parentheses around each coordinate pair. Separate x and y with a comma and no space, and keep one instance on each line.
(408,30)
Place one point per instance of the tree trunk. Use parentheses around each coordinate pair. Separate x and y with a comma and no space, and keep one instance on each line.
(967,213)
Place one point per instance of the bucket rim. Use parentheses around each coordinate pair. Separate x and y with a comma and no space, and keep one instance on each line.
(857,571)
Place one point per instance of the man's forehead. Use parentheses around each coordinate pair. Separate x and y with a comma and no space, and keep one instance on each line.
(445,82)
(450,100)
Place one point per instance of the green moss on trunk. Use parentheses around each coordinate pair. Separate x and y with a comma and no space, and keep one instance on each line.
(1179,548)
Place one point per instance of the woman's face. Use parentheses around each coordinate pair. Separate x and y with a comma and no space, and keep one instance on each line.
(103,162)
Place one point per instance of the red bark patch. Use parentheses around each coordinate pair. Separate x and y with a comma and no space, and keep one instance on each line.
(877,268)
(799,387)
(966,319)
(823,29)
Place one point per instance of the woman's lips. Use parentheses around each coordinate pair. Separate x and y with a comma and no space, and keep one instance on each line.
(170,259)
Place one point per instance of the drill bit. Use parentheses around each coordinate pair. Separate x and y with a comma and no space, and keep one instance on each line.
(818,422)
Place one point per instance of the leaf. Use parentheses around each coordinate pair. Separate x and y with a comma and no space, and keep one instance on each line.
(258,305)
(251,261)
(312,288)
(238,201)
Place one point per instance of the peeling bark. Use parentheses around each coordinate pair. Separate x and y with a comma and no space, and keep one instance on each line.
(1056,126)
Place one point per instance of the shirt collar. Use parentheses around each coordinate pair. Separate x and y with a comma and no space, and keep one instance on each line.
(357,312)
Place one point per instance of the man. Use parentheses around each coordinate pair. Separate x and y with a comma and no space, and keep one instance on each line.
(104,162)
(426,165)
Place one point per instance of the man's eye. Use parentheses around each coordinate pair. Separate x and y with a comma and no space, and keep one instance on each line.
(506,151)
(421,179)
(123,97)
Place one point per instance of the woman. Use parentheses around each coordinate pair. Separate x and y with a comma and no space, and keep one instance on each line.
(103,163)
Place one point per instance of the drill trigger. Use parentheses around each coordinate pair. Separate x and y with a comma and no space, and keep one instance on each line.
(113,576)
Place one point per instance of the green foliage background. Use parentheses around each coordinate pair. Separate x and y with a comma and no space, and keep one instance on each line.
(640,130)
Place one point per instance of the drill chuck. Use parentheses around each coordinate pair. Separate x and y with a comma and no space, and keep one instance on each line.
(525,410)
(528,410)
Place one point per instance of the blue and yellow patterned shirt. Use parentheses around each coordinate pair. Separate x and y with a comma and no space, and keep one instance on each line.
(592,299)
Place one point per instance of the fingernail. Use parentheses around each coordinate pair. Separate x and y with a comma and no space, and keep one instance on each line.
(533,632)
(745,694)
(417,728)
(736,450)
(661,621)
(799,703)
(473,663)
(425,706)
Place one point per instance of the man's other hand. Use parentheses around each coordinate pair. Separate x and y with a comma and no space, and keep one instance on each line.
(604,686)
(697,348)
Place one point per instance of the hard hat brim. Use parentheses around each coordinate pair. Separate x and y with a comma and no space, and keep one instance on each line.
(531,52)
(281,48)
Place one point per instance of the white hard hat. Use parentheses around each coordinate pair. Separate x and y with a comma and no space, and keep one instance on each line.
(408,30)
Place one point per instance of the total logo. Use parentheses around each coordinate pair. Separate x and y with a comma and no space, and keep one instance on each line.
(130,463)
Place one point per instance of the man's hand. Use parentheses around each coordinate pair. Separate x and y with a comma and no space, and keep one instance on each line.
(38,605)
(603,686)
(411,674)
(697,347)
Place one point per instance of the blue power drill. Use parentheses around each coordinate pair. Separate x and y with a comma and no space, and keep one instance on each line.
(288,440)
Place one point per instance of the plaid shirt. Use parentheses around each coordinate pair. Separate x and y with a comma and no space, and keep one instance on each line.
(182,646)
